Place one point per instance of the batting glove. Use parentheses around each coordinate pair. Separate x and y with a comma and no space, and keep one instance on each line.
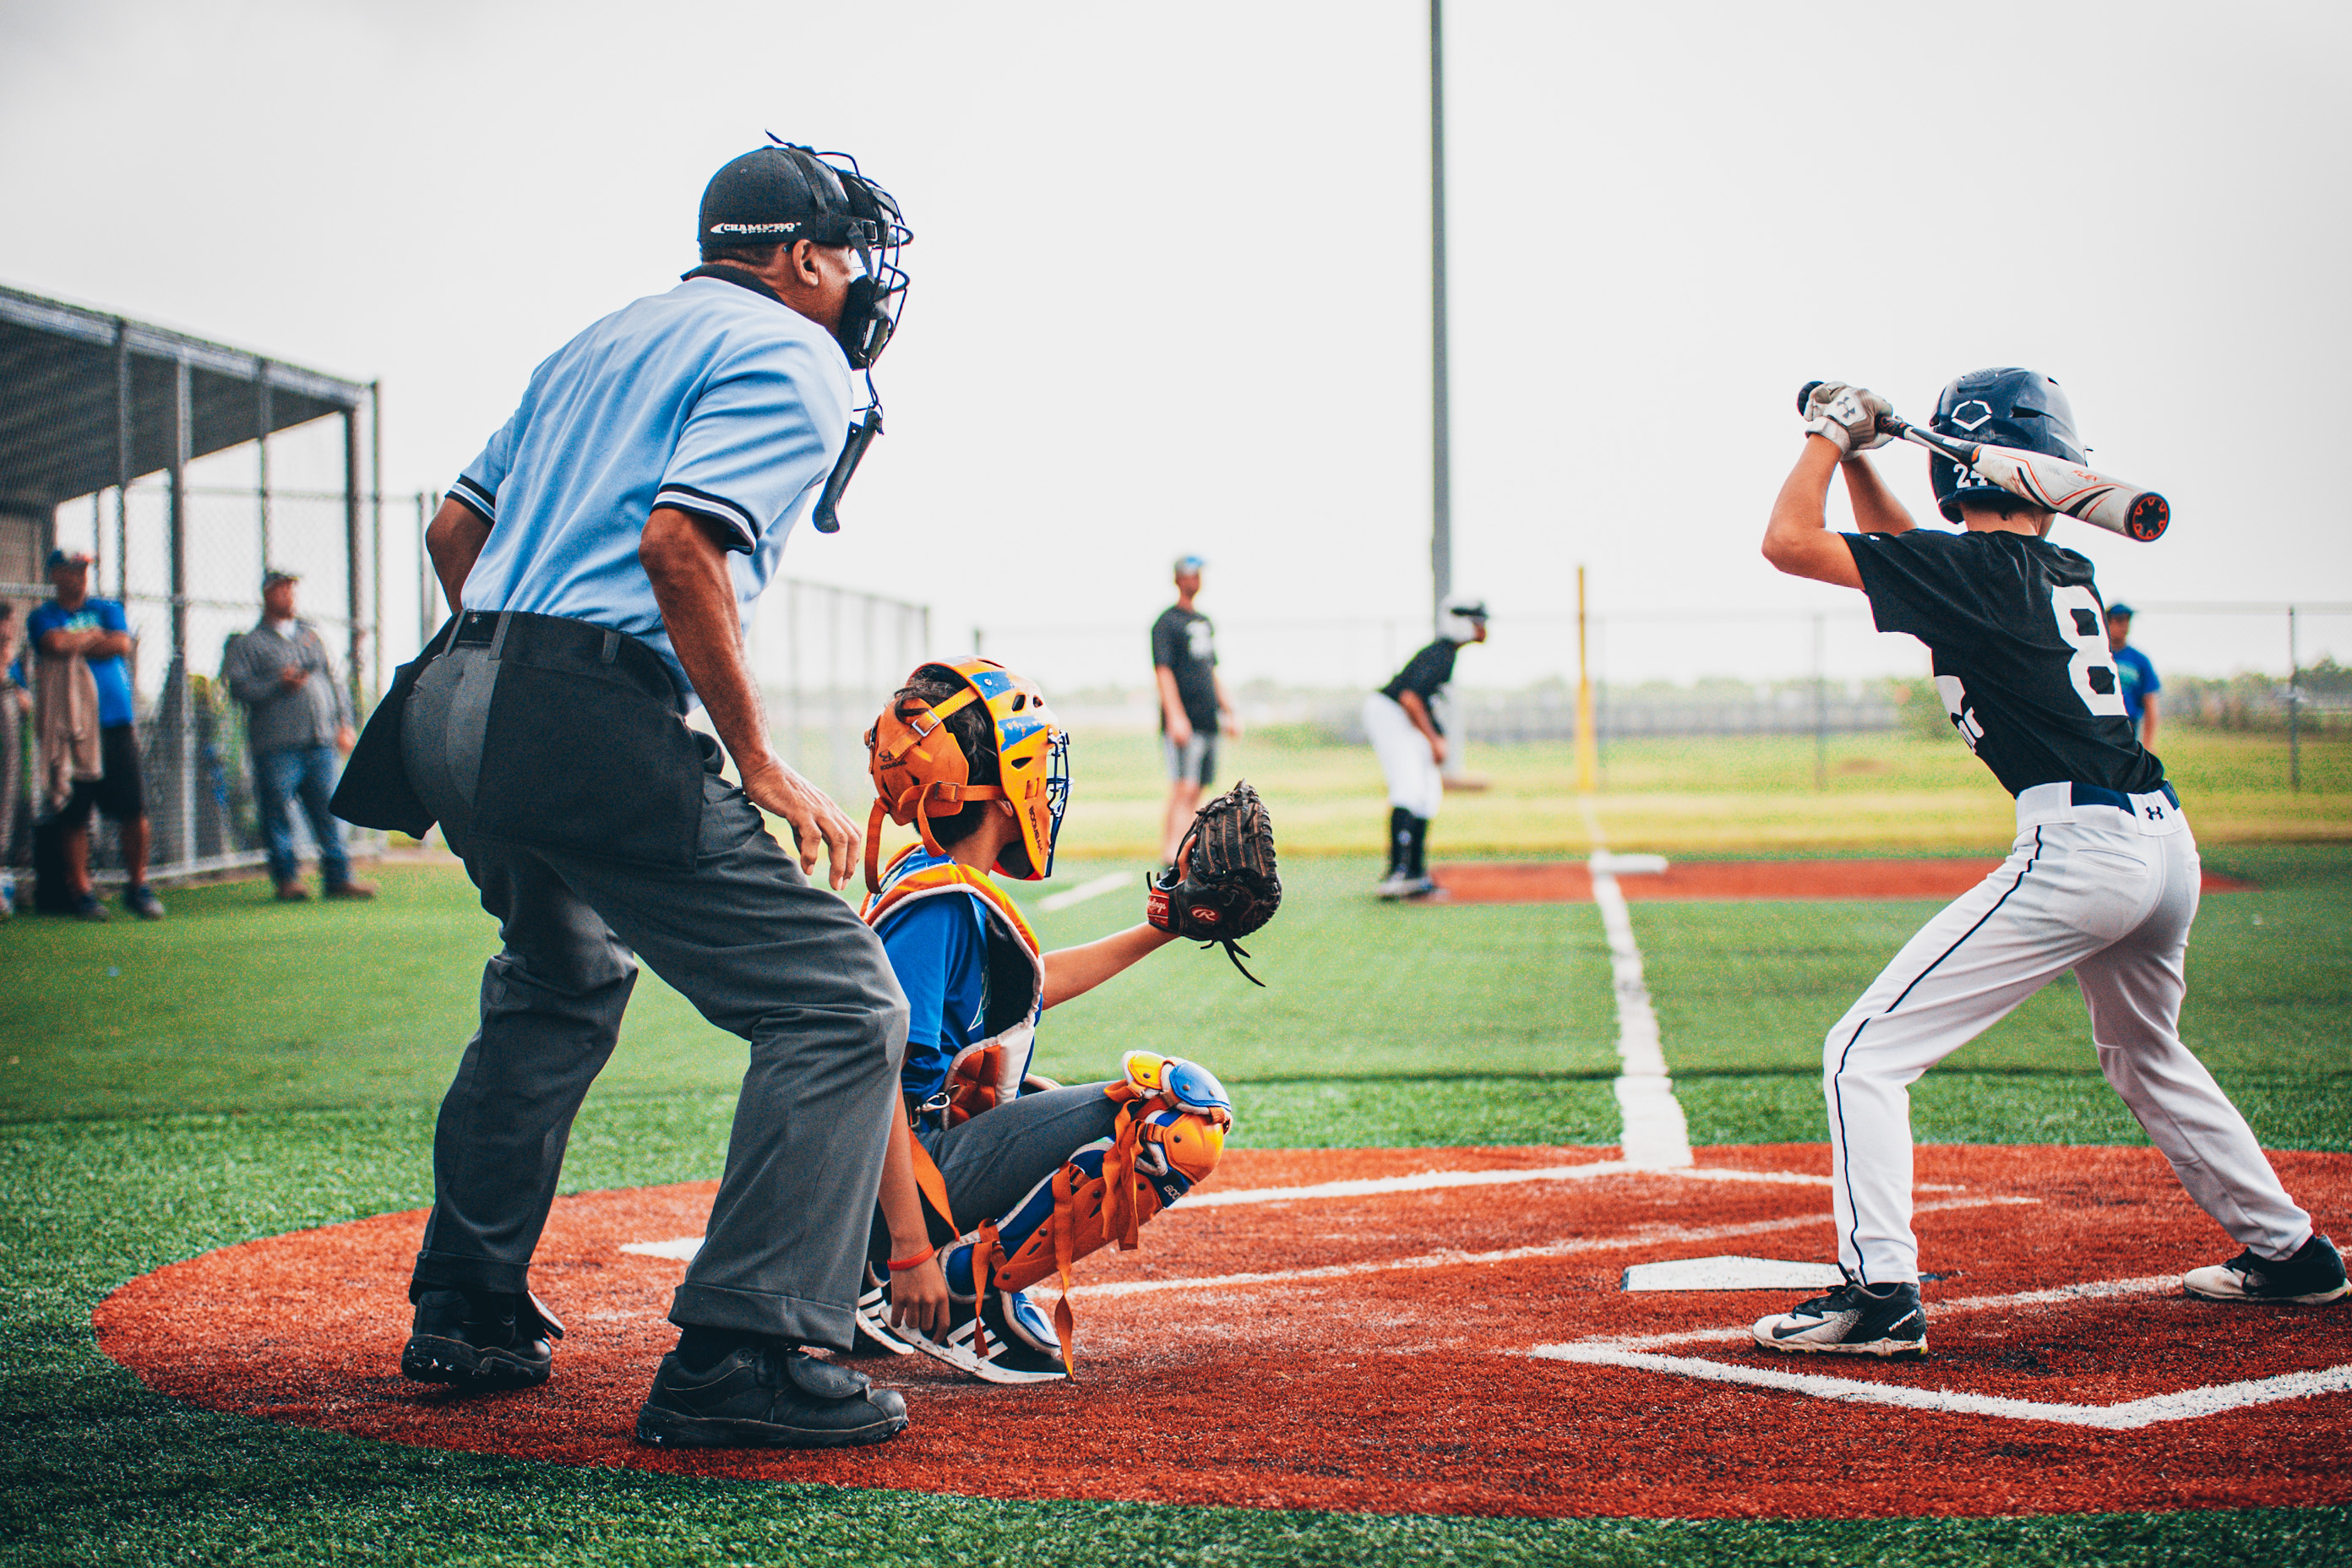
(1847,416)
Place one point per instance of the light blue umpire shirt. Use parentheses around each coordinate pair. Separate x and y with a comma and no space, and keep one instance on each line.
(713,398)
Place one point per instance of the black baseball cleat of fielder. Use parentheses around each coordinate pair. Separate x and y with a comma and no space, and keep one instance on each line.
(2314,1275)
(1883,1321)
(480,1340)
(766,1395)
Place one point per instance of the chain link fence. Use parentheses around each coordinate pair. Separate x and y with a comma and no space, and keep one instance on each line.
(197,770)
(1687,673)
(827,659)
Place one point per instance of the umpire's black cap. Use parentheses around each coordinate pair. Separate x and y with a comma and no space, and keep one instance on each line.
(778,194)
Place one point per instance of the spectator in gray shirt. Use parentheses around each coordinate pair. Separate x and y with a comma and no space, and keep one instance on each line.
(296,717)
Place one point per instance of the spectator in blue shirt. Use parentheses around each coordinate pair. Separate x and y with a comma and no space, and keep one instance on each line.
(73,625)
(2138,675)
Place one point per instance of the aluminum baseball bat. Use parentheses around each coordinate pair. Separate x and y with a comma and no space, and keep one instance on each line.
(2052,483)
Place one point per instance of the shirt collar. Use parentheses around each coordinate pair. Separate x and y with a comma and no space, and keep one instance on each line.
(741,276)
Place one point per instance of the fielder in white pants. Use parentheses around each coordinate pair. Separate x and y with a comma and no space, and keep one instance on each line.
(1401,720)
(2108,893)
(1416,781)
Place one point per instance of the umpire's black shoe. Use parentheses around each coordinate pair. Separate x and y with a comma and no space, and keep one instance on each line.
(768,1394)
(480,1340)
(1883,1321)
(2313,1275)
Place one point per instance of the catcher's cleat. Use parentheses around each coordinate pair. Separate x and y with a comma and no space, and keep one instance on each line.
(766,1396)
(1395,885)
(1883,1321)
(874,1334)
(1019,1345)
(1424,889)
(2313,1275)
(480,1340)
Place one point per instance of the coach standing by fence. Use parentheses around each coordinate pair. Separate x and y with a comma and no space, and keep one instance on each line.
(604,550)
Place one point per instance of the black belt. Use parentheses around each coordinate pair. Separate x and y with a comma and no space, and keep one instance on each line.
(2092,794)
(563,643)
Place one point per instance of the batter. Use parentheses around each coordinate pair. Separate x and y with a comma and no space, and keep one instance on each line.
(2102,880)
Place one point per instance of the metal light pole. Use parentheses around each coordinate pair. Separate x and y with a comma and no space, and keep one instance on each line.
(1440,532)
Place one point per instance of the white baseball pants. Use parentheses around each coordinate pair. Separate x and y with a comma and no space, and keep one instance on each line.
(1415,784)
(2109,894)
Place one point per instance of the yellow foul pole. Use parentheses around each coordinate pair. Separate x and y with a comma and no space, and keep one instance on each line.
(1588,751)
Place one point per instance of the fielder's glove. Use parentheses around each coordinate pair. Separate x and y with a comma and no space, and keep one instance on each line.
(1847,417)
(1223,885)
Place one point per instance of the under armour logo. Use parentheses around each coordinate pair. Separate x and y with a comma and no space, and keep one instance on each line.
(2156,814)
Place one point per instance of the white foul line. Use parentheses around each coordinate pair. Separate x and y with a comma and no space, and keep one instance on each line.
(1111,883)
(1656,1136)
(1634,1352)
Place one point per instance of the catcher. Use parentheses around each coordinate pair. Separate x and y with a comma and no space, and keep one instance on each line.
(996,1179)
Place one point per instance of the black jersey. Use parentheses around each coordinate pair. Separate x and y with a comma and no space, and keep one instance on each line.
(2020,642)
(1185,642)
(1425,675)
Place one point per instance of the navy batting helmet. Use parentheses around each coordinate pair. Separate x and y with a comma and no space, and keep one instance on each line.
(2005,407)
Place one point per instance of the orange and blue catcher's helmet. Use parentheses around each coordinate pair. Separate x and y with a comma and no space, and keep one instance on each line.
(920,772)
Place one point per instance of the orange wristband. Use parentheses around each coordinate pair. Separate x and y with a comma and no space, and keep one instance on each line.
(899,1264)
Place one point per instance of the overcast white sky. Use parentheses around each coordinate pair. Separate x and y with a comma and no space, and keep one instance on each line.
(1170,267)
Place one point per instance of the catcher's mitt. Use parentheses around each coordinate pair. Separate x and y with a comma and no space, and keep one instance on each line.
(1223,885)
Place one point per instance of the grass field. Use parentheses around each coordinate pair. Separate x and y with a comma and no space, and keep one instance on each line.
(247,1069)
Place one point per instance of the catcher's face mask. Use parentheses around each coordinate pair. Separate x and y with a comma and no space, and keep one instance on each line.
(920,772)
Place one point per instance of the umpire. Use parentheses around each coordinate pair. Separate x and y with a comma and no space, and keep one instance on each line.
(603,550)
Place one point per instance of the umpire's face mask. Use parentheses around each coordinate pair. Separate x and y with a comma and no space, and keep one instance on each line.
(869,316)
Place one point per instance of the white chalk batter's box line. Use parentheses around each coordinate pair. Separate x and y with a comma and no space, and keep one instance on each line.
(1639,1237)
(683,1247)
(1638,1354)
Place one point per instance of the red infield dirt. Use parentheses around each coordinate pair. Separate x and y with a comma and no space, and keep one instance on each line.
(1568,881)
(1373,1351)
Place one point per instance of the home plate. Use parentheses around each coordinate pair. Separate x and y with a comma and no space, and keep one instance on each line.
(1731,1274)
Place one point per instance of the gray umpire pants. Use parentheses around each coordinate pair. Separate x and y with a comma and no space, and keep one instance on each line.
(757,951)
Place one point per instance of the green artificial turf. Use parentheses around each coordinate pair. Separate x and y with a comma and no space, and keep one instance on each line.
(1354,988)
(237,1001)
(98,1470)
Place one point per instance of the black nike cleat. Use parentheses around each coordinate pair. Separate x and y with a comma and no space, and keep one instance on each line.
(477,1340)
(767,1395)
(1883,1321)
(2314,1275)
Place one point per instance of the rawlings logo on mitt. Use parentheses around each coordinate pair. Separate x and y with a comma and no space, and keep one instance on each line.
(1223,885)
